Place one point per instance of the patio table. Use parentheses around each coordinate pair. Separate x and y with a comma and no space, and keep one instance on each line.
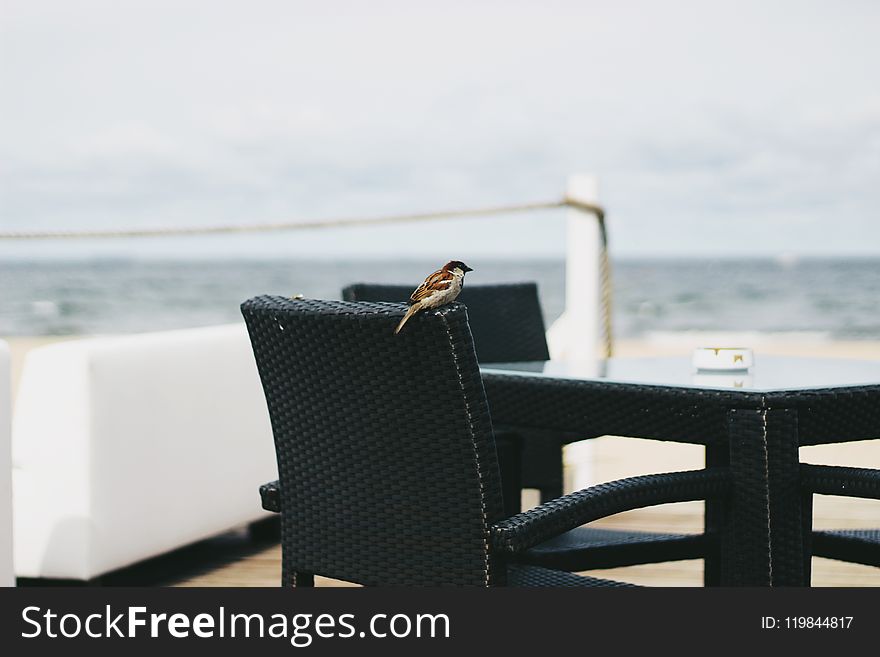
(752,421)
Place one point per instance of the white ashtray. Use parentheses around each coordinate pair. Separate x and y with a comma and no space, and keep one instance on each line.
(723,358)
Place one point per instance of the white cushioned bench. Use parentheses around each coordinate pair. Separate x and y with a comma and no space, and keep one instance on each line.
(7,578)
(128,447)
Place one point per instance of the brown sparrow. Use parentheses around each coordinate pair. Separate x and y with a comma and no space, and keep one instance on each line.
(440,288)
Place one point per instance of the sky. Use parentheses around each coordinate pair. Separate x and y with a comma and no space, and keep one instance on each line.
(714,128)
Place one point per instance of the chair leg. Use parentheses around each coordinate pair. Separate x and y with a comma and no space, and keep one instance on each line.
(509,449)
(296,579)
(290,576)
(302,580)
(714,519)
(807,529)
(542,464)
(550,492)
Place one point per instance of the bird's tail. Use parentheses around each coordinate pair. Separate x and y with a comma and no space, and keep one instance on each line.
(409,313)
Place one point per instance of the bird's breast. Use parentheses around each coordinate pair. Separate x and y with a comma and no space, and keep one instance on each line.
(442,297)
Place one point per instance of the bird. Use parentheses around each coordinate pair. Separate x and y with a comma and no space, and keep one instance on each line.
(438,289)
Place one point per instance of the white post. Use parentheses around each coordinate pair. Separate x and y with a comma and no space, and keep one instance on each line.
(575,335)
(7,578)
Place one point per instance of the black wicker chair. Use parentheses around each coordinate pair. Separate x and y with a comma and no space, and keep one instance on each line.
(855,545)
(507,325)
(386,457)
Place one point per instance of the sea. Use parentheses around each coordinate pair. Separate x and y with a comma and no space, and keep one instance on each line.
(824,298)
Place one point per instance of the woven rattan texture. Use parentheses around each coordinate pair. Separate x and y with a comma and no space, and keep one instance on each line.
(746,540)
(506,320)
(834,414)
(598,548)
(825,416)
(763,541)
(531,576)
(593,408)
(507,324)
(787,531)
(868,535)
(837,480)
(520,532)
(588,548)
(854,545)
(384,443)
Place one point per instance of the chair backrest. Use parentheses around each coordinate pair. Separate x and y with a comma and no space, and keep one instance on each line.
(505,319)
(387,463)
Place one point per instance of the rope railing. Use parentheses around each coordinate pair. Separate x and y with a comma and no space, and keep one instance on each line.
(348,222)
(308,224)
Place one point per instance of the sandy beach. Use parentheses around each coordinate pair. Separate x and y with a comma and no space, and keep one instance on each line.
(616,457)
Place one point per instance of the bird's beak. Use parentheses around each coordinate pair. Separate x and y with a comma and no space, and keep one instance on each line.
(467,269)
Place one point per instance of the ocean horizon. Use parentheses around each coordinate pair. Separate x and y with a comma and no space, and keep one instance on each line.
(830,298)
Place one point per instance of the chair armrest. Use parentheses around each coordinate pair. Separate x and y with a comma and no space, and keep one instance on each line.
(836,480)
(524,530)
(271,495)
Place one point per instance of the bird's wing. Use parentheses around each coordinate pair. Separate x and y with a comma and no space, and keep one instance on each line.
(437,282)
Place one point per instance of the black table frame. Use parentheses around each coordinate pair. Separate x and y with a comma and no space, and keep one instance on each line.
(764,529)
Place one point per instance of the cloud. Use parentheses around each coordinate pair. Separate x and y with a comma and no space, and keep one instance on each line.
(697,119)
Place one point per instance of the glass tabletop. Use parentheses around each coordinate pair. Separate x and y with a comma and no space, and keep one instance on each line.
(768,374)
